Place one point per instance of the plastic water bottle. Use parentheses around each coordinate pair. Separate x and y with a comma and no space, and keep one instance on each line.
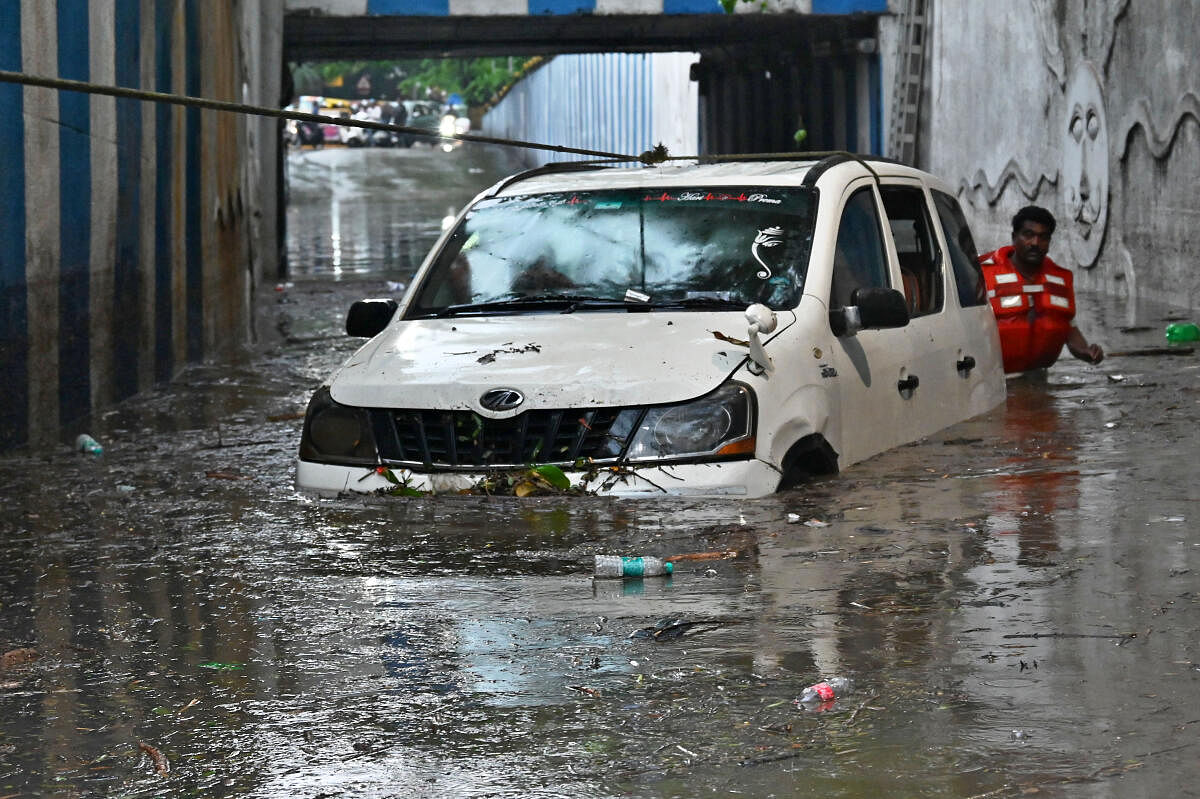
(1178,332)
(88,445)
(826,691)
(618,566)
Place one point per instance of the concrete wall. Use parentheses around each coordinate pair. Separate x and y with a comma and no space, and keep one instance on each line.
(612,102)
(1088,107)
(132,238)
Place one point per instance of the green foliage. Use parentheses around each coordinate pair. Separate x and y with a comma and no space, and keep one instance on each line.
(475,79)
(553,475)
(729,5)
(545,478)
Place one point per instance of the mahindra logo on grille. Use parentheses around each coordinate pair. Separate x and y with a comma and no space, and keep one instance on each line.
(501,399)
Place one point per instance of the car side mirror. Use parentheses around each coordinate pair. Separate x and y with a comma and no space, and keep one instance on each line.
(368,318)
(872,307)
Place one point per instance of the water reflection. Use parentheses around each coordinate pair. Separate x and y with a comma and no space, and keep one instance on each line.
(1042,479)
(377,212)
(986,580)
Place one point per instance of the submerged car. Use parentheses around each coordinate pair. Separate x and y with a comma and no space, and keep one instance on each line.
(706,329)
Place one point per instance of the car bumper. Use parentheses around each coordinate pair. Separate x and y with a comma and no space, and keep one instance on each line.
(749,478)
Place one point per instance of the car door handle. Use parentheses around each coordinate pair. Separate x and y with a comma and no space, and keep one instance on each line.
(908,385)
(966,365)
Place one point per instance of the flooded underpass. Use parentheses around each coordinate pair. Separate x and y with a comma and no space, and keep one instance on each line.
(1014,598)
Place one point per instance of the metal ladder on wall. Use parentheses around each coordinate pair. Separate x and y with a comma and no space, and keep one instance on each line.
(908,84)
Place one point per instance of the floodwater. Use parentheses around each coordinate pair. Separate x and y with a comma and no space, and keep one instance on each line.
(1016,598)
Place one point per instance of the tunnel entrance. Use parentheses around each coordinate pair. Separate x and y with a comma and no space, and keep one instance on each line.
(766,82)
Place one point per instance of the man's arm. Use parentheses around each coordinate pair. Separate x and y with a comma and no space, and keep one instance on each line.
(1079,347)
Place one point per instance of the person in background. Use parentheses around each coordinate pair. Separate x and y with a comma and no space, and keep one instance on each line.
(1033,298)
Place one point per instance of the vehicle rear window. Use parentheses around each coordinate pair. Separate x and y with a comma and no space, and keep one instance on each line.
(662,247)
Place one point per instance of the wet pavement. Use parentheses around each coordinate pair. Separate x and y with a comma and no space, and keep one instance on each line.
(1016,598)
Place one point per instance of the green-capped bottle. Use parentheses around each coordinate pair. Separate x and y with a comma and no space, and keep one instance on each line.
(88,445)
(618,566)
(1179,332)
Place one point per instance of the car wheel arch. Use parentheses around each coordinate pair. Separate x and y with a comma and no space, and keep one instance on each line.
(810,456)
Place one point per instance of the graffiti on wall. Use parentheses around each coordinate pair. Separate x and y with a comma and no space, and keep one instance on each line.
(1076,55)
(1100,105)
(1084,182)
(1077,49)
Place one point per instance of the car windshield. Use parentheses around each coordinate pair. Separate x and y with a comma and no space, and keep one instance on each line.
(687,248)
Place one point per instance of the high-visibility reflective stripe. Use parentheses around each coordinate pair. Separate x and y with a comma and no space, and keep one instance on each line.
(1034,289)
(991,293)
(1012,302)
(1008,277)
(1055,279)
(1061,302)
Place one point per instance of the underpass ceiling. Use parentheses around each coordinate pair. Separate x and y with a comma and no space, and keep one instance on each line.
(312,37)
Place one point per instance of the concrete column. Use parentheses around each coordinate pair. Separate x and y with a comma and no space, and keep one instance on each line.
(40,57)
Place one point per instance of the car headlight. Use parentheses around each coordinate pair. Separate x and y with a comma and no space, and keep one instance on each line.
(446,126)
(720,424)
(335,433)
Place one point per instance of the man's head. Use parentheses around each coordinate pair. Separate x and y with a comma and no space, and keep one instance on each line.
(1032,228)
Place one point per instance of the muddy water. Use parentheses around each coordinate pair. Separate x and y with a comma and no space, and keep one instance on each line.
(1016,599)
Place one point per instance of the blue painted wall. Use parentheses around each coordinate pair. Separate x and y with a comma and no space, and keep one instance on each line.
(14,359)
(164,356)
(75,166)
(127,269)
(127,251)
(849,6)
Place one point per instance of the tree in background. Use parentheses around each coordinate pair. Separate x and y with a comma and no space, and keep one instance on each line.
(476,80)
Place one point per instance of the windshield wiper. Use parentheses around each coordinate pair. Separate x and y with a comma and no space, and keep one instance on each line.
(564,302)
(703,302)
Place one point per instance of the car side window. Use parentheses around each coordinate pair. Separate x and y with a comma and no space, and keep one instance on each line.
(968,275)
(859,259)
(916,247)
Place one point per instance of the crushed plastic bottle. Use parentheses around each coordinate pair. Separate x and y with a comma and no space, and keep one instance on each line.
(618,566)
(1179,332)
(826,691)
(88,445)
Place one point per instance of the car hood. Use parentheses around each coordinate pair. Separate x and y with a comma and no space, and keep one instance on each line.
(595,359)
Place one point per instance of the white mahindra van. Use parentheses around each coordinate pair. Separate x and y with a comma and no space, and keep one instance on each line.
(710,329)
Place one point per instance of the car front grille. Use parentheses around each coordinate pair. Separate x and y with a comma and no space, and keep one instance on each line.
(466,440)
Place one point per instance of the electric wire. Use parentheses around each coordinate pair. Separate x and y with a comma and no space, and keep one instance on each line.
(655,155)
(649,157)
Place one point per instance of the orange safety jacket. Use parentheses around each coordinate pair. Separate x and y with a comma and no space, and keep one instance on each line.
(1034,314)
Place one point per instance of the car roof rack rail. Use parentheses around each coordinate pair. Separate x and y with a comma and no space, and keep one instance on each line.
(825,160)
(546,169)
(832,159)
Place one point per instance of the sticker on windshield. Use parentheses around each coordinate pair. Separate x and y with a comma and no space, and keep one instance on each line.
(769,237)
(608,206)
(471,241)
(711,196)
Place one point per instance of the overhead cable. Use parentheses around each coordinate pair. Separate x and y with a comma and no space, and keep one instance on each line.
(654,156)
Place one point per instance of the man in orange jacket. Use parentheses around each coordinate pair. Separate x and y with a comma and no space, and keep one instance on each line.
(1033,298)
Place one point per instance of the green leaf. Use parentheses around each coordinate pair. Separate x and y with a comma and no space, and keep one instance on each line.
(553,475)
